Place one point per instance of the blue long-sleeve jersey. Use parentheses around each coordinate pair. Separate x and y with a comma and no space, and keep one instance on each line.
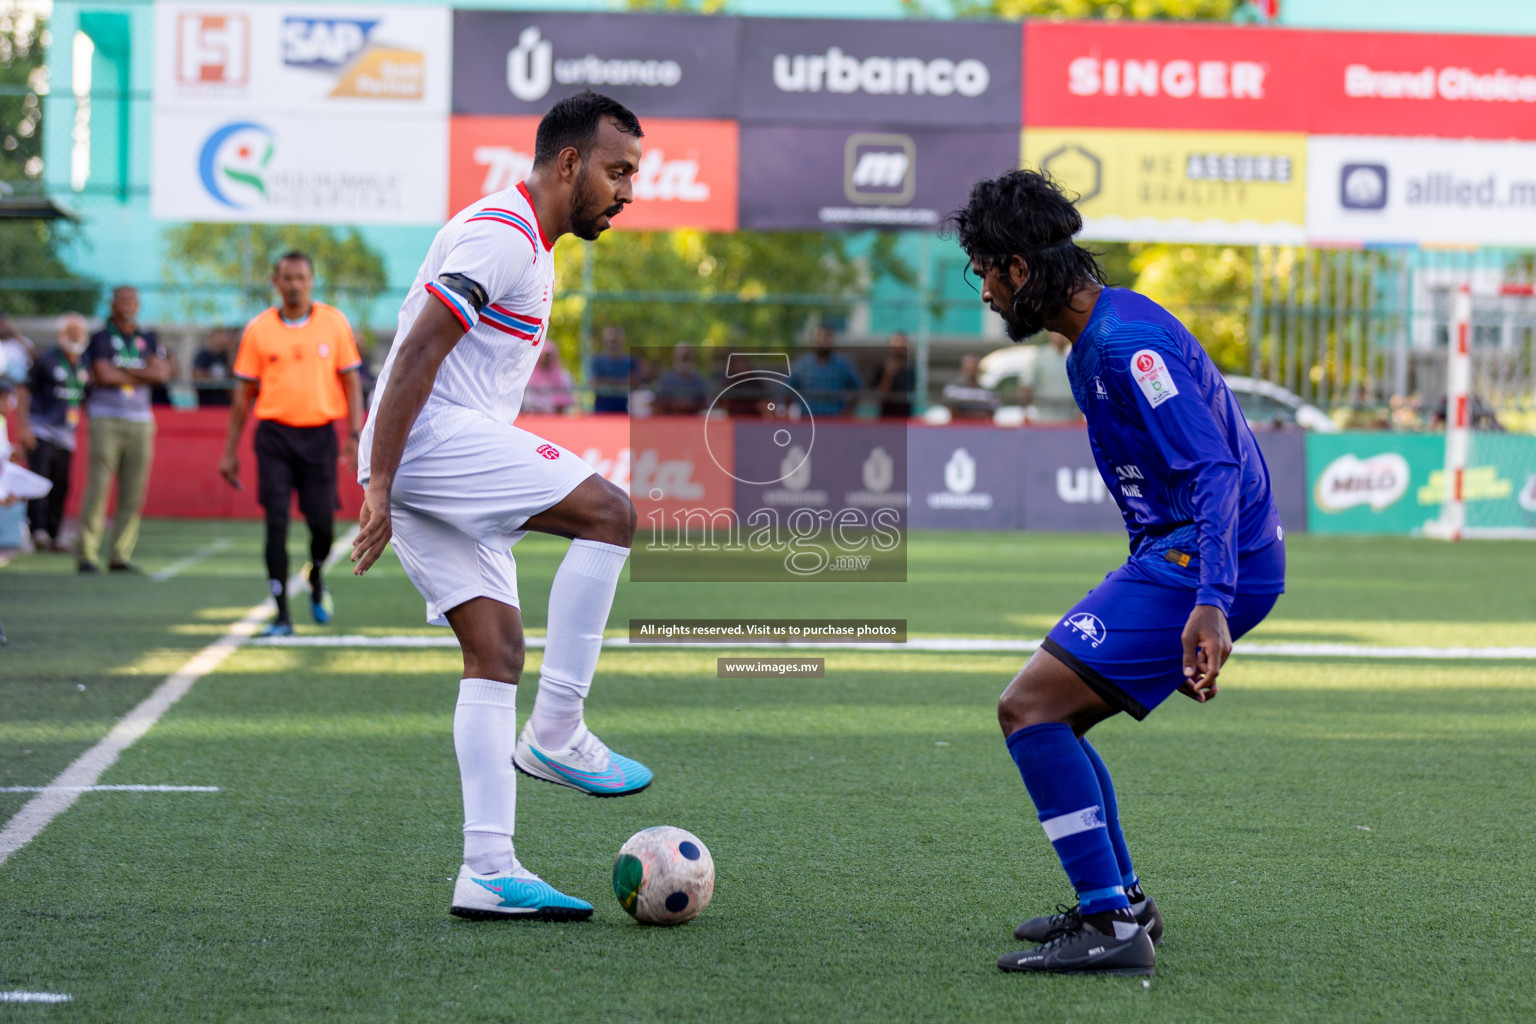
(1174,449)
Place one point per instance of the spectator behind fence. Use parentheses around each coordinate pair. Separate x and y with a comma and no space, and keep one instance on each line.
(14,346)
(56,389)
(609,372)
(965,397)
(828,384)
(550,385)
(212,367)
(682,390)
(125,363)
(299,362)
(1046,386)
(895,384)
(15,363)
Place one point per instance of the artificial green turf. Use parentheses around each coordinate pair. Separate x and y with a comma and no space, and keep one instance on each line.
(1330,840)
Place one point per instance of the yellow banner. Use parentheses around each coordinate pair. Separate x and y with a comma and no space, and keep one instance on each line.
(1245,187)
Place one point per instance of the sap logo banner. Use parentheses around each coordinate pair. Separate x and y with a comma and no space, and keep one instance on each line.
(1349,481)
(364,69)
(517,62)
(326,43)
(891,73)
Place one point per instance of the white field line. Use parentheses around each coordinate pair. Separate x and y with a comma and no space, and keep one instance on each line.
(181,565)
(949,644)
(35,997)
(111,788)
(81,775)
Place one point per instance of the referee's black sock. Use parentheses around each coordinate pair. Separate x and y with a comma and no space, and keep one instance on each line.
(277,563)
(322,534)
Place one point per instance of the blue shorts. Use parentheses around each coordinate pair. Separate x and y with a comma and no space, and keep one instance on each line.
(1125,639)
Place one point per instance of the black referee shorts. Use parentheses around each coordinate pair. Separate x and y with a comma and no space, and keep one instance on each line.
(299,459)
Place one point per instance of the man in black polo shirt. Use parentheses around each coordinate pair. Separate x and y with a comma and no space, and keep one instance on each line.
(56,388)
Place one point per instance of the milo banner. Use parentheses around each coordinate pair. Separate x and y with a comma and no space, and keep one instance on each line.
(1395,483)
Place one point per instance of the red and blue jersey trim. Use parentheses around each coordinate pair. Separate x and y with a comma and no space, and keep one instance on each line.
(519,325)
(461,310)
(498,215)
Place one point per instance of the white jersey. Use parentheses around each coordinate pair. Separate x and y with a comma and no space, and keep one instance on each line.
(499,244)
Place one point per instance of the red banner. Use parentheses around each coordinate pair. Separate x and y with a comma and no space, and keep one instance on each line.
(1217,77)
(687,176)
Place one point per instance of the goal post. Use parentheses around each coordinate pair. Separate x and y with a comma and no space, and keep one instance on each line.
(1490,471)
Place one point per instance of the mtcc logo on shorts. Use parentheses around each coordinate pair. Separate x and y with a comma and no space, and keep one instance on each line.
(233,163)
(1087,627)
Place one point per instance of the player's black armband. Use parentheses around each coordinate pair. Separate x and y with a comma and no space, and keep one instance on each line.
(465,289)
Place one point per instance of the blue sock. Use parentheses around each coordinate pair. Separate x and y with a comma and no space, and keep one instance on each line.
(1111,816)
(1061,780)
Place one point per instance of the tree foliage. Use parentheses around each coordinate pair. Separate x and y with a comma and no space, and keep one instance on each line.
(1208,287)
(24,78)
(761,287)
(222,272)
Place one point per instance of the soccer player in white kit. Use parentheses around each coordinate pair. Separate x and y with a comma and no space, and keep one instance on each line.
(456,483)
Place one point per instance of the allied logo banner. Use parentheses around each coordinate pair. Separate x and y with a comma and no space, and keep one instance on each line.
(863,177)
(687,176)
(522,62)
(1364,189)
(1243,187)
(939,74)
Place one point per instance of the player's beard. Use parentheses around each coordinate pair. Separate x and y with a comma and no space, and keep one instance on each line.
(1022,320)
(585,215)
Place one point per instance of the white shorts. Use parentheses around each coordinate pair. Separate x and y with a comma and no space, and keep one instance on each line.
(458,508)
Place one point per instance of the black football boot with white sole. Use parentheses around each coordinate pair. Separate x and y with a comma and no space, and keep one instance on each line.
(1044,927)
(1081,948)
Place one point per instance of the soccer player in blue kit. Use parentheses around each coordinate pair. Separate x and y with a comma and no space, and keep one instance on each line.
(1207,558)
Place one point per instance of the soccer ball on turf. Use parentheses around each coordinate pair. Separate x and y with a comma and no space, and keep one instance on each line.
(664,875)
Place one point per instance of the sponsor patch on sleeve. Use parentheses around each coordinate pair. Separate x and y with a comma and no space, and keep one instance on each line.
(1151,375)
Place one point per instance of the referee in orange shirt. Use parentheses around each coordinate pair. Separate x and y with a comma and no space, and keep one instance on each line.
(299,362)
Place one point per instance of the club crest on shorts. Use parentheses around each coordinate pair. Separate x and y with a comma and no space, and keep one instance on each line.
(1088,627)
(549,451)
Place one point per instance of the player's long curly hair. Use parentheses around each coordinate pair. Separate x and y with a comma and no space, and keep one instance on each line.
(1029,215)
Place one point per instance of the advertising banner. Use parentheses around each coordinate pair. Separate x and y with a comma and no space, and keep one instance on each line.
(914,73)
(288,168)
(860,177)
(522,62)
(1285,453)
(1373,482)
(965,478)
(687,176)
(384,61)
(1099,74)
(1061,488)
(1239,187)
(1435,191)
(1167,75)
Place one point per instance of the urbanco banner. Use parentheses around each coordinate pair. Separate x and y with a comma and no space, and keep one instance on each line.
(1179,186)
(857,176)
(913,73)
(687,176)
(288,168)
(1366,189)
(315,59)
(523,62)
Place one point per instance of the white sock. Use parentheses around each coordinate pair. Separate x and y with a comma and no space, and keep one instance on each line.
(579,602)
(484,736)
